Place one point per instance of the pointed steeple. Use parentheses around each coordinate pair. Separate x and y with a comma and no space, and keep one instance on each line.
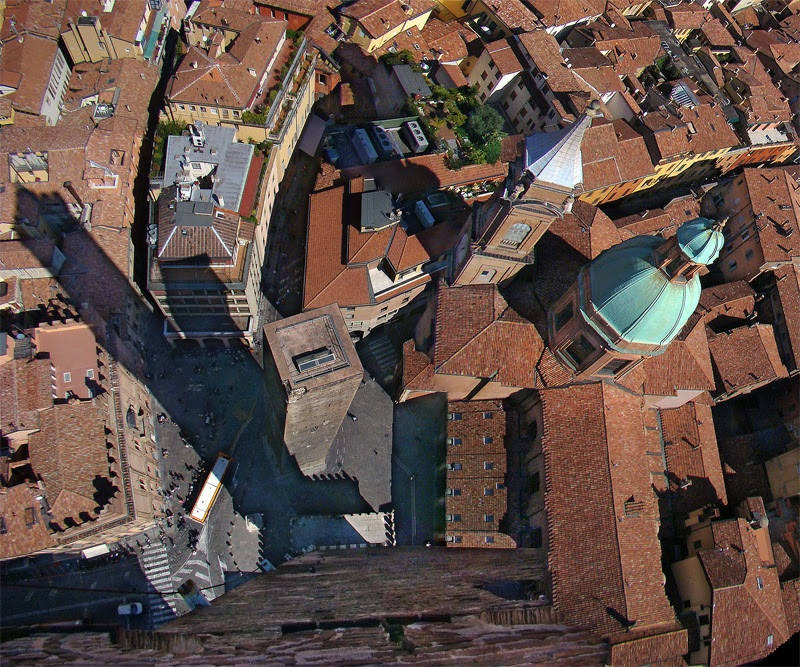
(555,157)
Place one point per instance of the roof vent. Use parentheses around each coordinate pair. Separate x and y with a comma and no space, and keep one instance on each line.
(251,71)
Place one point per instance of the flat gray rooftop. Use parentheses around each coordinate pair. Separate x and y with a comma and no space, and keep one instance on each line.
(232,160)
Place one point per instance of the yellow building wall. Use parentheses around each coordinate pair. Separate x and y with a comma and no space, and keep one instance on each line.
(370,43)
(784,474)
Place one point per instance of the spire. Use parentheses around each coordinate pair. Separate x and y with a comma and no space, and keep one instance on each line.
(555,157)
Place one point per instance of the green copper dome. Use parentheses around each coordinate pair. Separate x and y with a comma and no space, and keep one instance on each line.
(634,297)
(700,240)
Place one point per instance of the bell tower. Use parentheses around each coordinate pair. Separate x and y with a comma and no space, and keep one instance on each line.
(508,228)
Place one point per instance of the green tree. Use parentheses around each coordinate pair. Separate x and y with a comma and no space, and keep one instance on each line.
(484,124)
(404,57)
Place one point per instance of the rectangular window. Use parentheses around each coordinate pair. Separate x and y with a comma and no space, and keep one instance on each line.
(192,108)
(3,529)
(457,539)
(453,518)
(536,482)
(213,111)
(745,234)
(579,350)
(488,491)
(489,539)
(30,517)
(454,416)
(614,367)
(90,373)
(563,316)
(748,255)
(488,465)
(453,492)
(67,377)
(485,75)
(454,466)
(499,486)
(181,107)
(760,583)
(224,113)
(203,110)
(453,441)
(770,640)
(487,415)
(703,620)
(488,440)
(513,95)
(732,265)
(488,518)
(536,538)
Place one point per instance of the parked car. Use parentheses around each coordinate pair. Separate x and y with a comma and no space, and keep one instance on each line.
(130,609)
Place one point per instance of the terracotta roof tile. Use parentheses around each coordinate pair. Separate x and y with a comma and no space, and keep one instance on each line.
(25,390)
(745,356)
(417,368)
(790,591)
(586,229)
(686,364)
(775,196)
(516,15)
(379,16)
(690,446)
(565,12)
(788,282)
(478,335)
(25,527)
(617,580)
(69,453)
(201,79)
(745,611)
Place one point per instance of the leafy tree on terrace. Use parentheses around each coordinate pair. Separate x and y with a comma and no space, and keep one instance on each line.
(404,57)
(484,124)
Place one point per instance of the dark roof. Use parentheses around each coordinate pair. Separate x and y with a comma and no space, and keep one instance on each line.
(412,83)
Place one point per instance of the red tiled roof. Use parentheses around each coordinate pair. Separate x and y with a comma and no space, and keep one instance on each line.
(775,196)
(686,364)
(226,80)
(563,12)
(788,282)
(331,277)
(417,368)
(515,15)
(790,591)
(746,356)
(478,335)
(614,579)
(695,131)
(69,454)
(25,390)
(690,446)
(504,57)
(25,529)
(664,648)
(587,229)
(744,613)
(424,173)
(380,16)
(251,186)
(613,153)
